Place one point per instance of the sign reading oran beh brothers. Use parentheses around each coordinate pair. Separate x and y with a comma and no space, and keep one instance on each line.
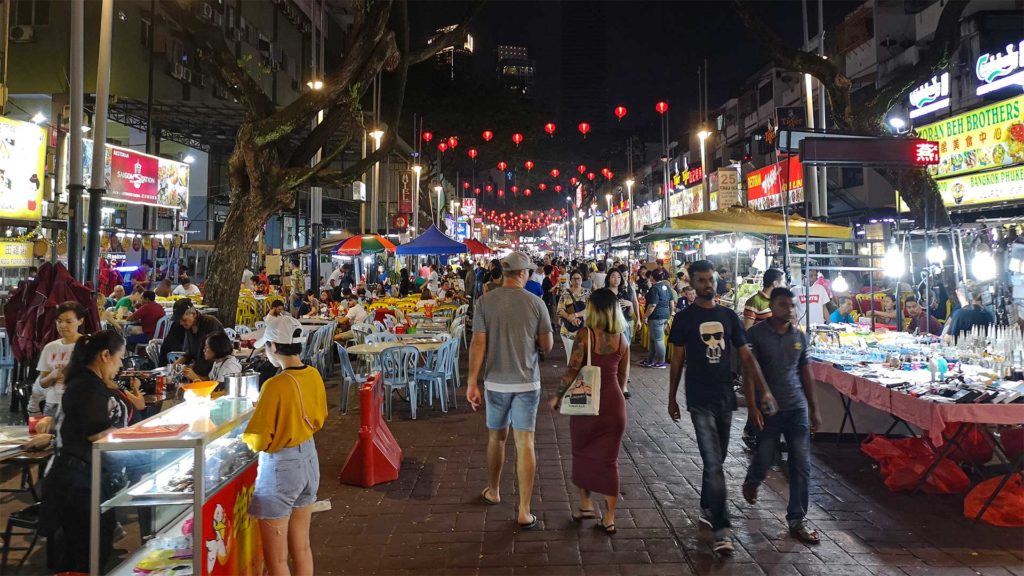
(986,138)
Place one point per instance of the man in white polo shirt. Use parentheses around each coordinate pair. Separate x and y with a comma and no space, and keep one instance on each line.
(510,327)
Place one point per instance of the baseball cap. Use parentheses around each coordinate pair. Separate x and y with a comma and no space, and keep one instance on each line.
(517,261)
(281,330)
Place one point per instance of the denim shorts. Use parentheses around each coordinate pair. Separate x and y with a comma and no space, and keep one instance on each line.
(516,408)
(285,480)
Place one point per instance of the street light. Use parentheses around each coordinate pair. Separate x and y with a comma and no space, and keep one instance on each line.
(593,225)
(703,135)
(376,134)
(455,214)
(439,189)
(416,168)
(629,190)
(315,84)
(608,217)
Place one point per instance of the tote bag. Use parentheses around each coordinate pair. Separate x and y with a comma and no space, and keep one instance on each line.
(583,398)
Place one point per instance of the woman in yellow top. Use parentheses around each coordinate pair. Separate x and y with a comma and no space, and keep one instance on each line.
(292,407)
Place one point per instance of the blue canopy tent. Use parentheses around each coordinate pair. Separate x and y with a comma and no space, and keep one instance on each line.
(432,242)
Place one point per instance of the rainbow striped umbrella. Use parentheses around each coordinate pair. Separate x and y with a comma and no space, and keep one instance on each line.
(364,244)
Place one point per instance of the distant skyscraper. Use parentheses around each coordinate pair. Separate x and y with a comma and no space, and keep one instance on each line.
(584,88)
(455,62)
(515,69)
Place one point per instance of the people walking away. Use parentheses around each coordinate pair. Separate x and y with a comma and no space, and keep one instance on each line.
(704,338)
(550,289)
(292,407)
(627,302)
(781,352)
(660,307)
(510,328)
(571,310)
(597,278)
(596,439)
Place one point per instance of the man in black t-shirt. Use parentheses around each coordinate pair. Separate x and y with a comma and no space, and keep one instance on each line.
(704,338)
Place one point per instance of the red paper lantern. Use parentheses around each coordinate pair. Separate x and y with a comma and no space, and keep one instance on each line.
(528,165)
(465,185)
(591,176)
(574,180)
(620,112)
(476,190)
(488,135)
(517,138)
(550,129)
(501,193)
(610,175)
(555,172)
(558,187)
(472,153)
(584,128)
(542,186)
(502,165)
(442,147)
(453,142)
(581,168)
(661,107)
(515,189)
(489,188)
(428,136)
(605,171)
(527,193)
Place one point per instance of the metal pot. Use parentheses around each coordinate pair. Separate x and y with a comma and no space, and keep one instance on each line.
(242,384)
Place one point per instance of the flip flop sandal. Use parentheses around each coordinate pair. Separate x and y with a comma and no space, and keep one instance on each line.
(488,501)
(805,534)
(609,529)
(584,515)
(529,525)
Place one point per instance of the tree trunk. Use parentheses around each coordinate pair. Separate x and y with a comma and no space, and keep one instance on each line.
(230,255)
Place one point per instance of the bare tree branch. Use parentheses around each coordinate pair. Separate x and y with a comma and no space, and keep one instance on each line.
(218,58)
(455,36)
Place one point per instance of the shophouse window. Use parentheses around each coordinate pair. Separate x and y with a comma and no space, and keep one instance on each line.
(764,94)
(31,12)
(145,29)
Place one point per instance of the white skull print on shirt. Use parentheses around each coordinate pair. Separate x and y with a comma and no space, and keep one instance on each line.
(713,336)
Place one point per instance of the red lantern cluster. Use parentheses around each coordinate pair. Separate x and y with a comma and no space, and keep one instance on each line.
(574,180)
(528,221)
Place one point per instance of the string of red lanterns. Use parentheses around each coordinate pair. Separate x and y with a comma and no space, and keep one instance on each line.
(517,138)
(584,128)
(528,165)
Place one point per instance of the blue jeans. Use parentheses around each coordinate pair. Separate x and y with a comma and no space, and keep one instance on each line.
(656,341)
(712,430)
(795,426)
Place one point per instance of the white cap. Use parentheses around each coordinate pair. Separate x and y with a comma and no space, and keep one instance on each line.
(282,329)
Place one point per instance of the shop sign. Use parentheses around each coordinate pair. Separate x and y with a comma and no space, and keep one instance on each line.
(15,254)
(790,117)
(620,224)
(997,71)
(400,222)
(579,196)
(931,96)
(693,176)
(136,178)
(359,191)
(406,190)
(982,139)
(231,538)
(728,188)
(469,206)
(693,200)
(766,185)
(22,169)
(984,188)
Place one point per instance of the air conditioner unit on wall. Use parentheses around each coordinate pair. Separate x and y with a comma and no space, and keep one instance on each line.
(20,34)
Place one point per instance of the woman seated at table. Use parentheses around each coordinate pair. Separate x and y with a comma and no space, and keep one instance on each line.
(325,299)
(426,299)
(888,312)
(310,306)
(219,350)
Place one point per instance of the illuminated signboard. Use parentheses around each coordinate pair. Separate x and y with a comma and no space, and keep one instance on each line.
(1001,70)
(469,206)
(765,186)
(926,153)
(15,254)
(136,178)
(983,188)
(22,169)
(931,96)
(982,139)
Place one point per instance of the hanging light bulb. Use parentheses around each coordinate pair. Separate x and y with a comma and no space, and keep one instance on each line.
(743,244)
(983,267)
(840,284)
(893,262)
(936,254)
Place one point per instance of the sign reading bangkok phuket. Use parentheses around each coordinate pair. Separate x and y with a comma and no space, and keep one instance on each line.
(996,71)
(138,178)
(983,139)
(996,186)
(765,186)
(22,169)
(931,96)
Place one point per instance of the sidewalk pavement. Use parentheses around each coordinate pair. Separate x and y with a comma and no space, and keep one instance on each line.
(430,520)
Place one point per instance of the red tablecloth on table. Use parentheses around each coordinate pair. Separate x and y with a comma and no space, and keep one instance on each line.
(925,414)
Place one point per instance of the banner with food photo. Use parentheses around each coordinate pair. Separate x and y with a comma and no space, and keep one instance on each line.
(983,188)
(22,169)
(986,138)
(136,178)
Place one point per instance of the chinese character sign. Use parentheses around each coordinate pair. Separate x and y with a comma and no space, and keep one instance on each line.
(406,190)
(926,153)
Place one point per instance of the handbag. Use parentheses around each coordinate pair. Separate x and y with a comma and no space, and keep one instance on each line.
(577,307)
(583,397)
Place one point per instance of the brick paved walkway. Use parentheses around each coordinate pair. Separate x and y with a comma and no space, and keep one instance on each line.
(429,520)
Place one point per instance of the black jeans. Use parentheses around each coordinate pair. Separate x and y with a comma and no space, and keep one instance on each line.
(712,430)
(66,495)
(795,427)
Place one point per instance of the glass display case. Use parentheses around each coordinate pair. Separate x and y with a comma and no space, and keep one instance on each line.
(189,478)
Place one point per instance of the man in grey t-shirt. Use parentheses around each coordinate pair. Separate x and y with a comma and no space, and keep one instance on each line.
(510,328)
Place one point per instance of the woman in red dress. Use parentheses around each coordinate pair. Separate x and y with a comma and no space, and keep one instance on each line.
(596,439)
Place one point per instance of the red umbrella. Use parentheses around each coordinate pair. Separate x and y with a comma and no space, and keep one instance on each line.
(476,247)
(364,244)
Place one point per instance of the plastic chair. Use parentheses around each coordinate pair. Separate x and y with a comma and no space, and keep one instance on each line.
(381,337)
(172,357)
(348,376)
(398,370)
(361,331)
(6,362)
(28,520)
(242,329)
(153,350)
(163,325)
(462,310)
(435,373)
(457,334)
(379,326)
(231,333)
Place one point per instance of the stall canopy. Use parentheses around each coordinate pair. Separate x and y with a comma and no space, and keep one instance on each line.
(432,242)
(364,244)
(751,221)
(477,247)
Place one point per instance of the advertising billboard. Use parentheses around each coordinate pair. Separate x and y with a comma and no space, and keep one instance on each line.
(985,138)
(765,186)
(22,169)
(136,178)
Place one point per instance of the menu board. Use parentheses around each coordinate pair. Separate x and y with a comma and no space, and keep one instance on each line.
(985,138)
(22,169)
(137,178)
(983,188)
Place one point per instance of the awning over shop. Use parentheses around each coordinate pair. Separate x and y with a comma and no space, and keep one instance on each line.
(659,234)
(751,221)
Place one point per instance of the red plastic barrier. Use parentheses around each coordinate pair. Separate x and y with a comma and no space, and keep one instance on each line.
(376,457)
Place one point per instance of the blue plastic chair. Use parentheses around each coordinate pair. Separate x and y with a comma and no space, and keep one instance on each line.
(398,370)
(378,337)
(437,371)
(6,362)
(348,376)
(172,357)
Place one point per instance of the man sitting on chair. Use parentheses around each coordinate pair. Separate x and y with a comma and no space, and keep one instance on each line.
(356,314)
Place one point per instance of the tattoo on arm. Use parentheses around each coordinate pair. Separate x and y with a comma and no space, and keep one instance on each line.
(575,361)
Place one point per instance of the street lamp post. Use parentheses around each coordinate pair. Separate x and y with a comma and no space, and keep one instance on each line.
(437,220)
(593,217)
(629,191)
(608,217)
(417,169)
(703,135)
(455,215)
(376,134)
